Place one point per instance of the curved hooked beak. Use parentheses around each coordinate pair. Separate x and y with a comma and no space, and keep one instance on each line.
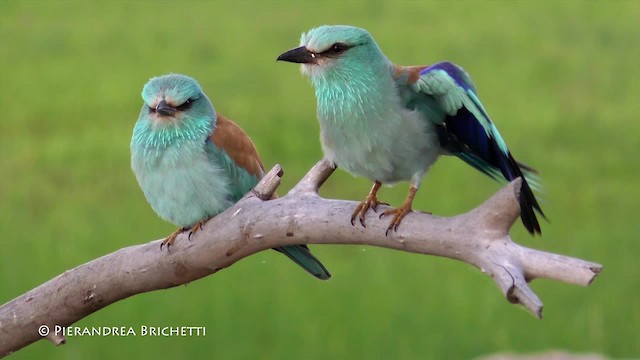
(165,109)
(299,55)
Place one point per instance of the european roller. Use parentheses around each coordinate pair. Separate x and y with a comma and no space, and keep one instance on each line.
(390,123)
(192,163)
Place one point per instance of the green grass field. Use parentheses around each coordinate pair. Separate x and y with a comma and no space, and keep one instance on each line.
(560,80)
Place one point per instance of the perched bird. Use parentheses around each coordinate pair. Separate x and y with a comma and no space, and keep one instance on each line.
(390,123)
(193,163)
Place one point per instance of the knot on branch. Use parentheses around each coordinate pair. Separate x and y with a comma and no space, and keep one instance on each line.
(266,187)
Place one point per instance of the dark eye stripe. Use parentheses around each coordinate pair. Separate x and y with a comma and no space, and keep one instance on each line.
(185,105)
(336,49)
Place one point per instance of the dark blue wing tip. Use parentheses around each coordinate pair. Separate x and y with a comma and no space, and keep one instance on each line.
(456,73)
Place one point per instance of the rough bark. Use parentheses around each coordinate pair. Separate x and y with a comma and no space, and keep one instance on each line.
(479,237)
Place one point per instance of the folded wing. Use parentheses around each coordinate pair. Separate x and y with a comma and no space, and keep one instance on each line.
(445,93)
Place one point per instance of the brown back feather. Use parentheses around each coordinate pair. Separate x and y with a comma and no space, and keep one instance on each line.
(412,73)
(230,137)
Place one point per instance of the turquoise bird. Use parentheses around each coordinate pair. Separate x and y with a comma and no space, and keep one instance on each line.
(193,163)
(390,123)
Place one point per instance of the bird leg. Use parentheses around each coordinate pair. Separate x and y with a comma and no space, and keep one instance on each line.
(401,211)
(370,202)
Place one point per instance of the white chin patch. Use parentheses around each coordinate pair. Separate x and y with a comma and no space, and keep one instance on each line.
(306,69)
(313,69)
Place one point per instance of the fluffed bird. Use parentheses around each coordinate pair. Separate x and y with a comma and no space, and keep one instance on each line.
(193,163)
(390,123)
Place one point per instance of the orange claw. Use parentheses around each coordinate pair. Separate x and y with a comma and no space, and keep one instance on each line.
(171,238)
(197,227)
(370,202)
(400,212)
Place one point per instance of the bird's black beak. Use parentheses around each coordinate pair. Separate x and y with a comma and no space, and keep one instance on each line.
(299,55)
(165,109)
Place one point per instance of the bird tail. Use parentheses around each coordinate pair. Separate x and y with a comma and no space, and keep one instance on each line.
(532,177)
(505,167)
(511,169)
(301,255)
(528,207)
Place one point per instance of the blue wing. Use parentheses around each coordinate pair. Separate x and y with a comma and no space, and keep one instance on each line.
(447,96)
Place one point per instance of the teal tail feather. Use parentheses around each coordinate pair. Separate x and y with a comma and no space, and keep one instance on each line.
(301,255)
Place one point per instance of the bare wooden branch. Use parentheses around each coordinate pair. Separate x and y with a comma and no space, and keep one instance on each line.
(479,237)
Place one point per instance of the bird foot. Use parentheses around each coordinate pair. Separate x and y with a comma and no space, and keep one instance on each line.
(370,202)
(171,238)
(197,227)
(400,213)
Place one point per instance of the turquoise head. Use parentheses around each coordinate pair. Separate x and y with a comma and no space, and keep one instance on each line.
(175,109)
(335,52)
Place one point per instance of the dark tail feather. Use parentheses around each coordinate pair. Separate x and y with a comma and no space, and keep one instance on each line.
(511,170)
(528,207)
(301,255)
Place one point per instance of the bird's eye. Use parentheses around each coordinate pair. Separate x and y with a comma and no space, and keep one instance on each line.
(338,48)
(151,109)
(185,105)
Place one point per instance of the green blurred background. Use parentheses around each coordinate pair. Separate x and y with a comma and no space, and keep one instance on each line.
(560,79)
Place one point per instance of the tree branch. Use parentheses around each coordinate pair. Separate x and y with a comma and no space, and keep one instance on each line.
(479,237)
